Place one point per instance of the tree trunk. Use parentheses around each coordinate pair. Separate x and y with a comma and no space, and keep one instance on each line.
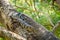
(23,25)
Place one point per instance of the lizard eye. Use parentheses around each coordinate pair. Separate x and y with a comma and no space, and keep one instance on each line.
(22,18)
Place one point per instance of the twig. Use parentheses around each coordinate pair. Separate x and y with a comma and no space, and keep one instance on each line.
(27,2)
(57,25)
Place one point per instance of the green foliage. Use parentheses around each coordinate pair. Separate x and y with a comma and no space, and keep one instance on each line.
(1,38)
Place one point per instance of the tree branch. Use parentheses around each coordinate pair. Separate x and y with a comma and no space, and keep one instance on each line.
(7,33)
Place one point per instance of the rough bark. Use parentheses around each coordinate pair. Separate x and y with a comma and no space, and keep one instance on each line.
(22,24)
(10,35)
